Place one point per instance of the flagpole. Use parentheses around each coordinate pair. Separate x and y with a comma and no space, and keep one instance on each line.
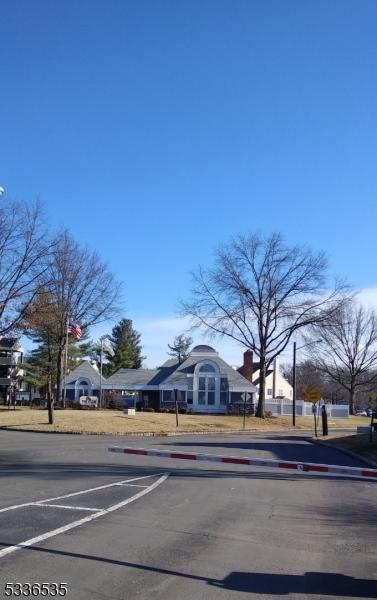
(65,363)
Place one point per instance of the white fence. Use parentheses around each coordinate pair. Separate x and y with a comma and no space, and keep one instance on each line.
(284,407)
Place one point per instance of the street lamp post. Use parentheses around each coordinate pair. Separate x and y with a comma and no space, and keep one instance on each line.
(294,386)
(104,337)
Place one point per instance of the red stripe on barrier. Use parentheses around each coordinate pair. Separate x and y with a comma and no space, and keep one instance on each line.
(369,473)
(135,451)
(236,461)
(317,468)
(284,465)
(184,456)
(297,466)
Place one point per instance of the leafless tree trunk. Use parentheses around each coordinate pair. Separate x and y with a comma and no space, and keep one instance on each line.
(347,353)
(259,292)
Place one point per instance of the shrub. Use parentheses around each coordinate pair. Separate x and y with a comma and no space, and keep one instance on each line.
(149,409)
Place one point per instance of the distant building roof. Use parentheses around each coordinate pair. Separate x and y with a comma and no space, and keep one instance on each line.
(10,343)
(169,375)
(133,377)
(202,348)
(84,371)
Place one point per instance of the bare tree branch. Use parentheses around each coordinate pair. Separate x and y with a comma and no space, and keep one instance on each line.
(78,286)
(347,353)
(259,292)
(24,251)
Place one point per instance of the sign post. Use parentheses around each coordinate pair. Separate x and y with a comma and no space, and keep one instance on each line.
(175,396)
(314,395)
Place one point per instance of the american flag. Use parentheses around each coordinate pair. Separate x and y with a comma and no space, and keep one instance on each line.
(75,330)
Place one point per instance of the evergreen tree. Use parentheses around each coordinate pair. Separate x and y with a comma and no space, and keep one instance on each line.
(180,347)
(41,324)
(40,368)
(127,349)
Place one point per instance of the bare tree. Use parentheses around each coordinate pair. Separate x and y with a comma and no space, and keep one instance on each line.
(347,352)
(309,376)
(260,292)
(79,287)
(24,251)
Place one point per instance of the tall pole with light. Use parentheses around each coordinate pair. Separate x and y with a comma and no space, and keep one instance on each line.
(102,339)
(294,386)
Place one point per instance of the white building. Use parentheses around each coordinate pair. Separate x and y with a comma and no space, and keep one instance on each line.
(276,385)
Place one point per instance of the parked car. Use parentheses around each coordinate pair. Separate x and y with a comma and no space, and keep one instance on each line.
(361,412)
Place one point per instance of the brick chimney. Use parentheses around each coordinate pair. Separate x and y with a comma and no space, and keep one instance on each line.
(247,370)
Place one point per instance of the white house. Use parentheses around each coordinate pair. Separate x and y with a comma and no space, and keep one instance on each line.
(276,385)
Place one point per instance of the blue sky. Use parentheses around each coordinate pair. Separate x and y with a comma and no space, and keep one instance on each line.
(156,129)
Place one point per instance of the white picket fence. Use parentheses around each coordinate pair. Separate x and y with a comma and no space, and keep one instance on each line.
(284,407)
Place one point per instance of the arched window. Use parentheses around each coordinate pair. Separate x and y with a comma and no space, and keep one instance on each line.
(84,383)
(83,388)
(207,368)
(206,383)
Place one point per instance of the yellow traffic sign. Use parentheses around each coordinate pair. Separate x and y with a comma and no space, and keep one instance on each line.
(313,395)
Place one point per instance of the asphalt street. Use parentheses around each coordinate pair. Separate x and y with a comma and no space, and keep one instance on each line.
(119,527)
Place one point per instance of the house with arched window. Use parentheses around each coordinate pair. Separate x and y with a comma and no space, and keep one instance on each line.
(82,381)
(203,383)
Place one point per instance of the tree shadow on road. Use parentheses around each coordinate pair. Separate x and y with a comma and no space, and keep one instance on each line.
(273,584)
(52,471)
(315,583)
(295,450)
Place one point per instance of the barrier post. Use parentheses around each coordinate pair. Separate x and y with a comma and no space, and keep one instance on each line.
(325,428)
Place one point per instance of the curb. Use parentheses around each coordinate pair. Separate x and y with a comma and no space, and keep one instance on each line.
(172,433)
(152,433)
(365,461)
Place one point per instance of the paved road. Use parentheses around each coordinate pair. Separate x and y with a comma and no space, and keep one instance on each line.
(204,531)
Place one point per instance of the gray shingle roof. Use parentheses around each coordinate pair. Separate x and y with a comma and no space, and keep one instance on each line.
(133,377)
(170,374)
(203,348)
(179,375)
(84,370)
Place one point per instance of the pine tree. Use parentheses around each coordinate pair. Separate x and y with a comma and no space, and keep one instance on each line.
(40,365)
(127,349)
(42,325)
(180,347)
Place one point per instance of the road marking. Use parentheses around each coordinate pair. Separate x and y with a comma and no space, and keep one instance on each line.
(95,489)
(65,506)
(100,513)
(132,485)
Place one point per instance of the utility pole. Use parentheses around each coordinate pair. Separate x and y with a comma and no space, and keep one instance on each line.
(294,386)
